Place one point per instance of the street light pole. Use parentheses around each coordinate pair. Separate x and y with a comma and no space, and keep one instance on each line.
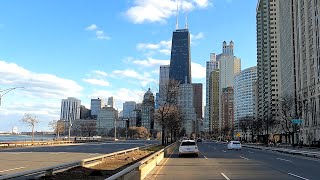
(115,129)
(6,91)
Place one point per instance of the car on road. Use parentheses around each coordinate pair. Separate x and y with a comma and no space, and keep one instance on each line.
(199,140)
(234,145)
(188,147)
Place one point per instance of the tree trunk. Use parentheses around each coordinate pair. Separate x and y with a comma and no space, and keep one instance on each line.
(171,135)
(32,134)
(163,136)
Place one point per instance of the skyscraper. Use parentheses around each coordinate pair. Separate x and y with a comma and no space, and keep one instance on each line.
(96,105)
(211,65)
(227,121)
(214,101)
(180,63)
(70,111)
(147,111)
(163,83)
(128,109)
(111,102)
(243,94)
(197,99)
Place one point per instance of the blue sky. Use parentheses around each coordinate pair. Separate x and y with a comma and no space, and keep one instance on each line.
(89,49)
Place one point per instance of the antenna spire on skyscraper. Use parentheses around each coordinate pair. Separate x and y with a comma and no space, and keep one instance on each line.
(177,14)
(186,26)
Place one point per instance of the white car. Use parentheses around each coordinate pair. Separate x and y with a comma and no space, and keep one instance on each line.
(188,147)
(234,145)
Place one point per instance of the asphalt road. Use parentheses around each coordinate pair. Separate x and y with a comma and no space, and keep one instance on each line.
(216,162)
(29,158)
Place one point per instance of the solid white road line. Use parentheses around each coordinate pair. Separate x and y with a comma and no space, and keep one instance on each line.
(298,176)
(11,169)
(283,159)
(224,151)
(244,158)
(205,157)
(250,152)
(225,176)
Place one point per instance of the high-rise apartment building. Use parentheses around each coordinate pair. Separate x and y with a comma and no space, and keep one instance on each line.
(163,83)
(227,105)
(211,66)
(110,102)
(147,111)
(307,65)
(229,66)
(214,101)
(180,63)
(96,105)
(197,99)
(269,31)
(186,105)
(243,94)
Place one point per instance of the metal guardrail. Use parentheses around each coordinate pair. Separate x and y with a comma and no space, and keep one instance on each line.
(85,163)
(138,164)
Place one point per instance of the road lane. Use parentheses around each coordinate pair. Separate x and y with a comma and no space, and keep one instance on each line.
(216,162)
(29,158)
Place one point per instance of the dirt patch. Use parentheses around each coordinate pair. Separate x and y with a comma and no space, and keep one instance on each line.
(110,166)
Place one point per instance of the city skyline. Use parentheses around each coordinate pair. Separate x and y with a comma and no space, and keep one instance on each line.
(82,56)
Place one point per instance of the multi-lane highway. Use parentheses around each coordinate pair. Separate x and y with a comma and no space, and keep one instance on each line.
(216,162)
(29,158)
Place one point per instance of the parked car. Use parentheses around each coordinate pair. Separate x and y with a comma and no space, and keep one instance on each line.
(234,145)
(188,147)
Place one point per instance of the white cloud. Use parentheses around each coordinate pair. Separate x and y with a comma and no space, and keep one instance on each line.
(197,71)
(99,82)
(151,62)
(100,34)
(163,47)
(198,36)
(92,27)
(159,11)
(101,73)
(41,95)
(37,84)
(144,78)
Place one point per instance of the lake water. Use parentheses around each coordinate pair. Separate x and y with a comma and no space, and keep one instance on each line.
(12,138)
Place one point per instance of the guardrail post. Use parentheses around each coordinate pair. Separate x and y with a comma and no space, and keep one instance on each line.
(49,172)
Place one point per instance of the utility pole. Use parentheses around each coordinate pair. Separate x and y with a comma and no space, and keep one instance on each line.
(115,129)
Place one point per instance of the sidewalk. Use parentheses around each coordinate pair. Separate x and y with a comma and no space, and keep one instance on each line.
(304,151)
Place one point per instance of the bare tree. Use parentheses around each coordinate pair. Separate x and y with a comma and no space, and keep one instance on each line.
(168,102)
(30,120)
(57,126)
(88,127)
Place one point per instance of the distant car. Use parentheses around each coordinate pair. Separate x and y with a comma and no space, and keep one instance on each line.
(199,140)
(188,147)
(234,145)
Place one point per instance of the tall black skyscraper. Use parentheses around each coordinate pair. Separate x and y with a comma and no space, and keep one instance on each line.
(180,64)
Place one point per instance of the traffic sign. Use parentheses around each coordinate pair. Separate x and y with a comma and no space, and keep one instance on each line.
(238,134)
(296,121)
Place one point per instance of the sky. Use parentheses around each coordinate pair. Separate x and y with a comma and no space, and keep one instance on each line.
(88,49)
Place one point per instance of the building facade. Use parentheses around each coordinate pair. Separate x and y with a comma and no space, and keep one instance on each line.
(70,111)
(128,109)
(163,83)
(211,66)
(307,65)
(180,63)
(197,99)
(111,102)
(106,119)
(244,95)
(96,105)
(227,123)
(186,105)
(147,111)
(214,101)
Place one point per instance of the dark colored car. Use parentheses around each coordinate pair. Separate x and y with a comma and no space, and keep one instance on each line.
(199,140)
